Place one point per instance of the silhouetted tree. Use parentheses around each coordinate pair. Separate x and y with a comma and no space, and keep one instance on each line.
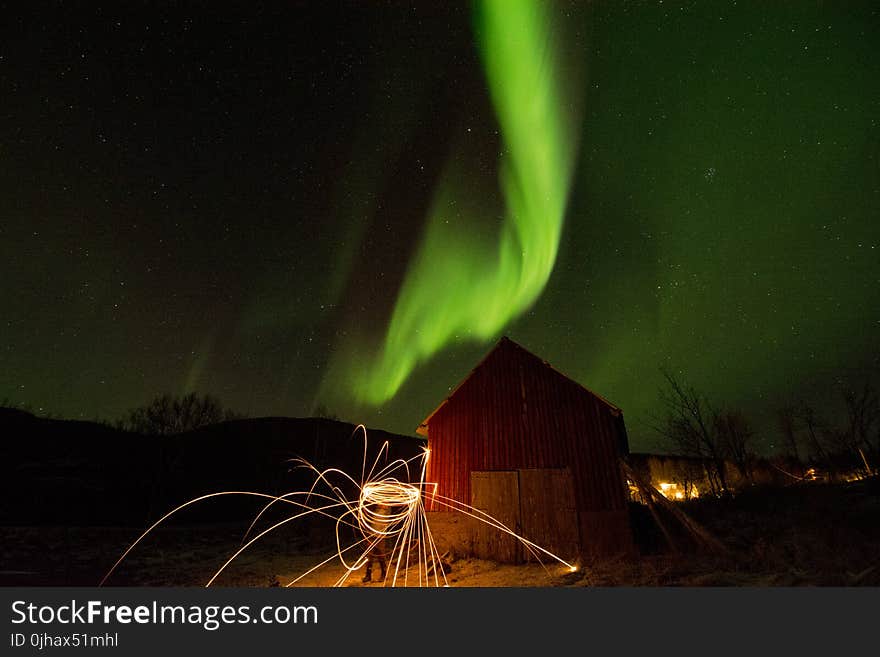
(689,423)
(785,416)
(734,435)
(818,435)
(167,415)
(862,423)
(791,453)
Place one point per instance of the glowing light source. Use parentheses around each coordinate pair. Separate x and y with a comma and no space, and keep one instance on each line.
(388,507)
(676,491)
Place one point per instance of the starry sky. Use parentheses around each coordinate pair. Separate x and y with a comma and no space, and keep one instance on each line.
(233,200)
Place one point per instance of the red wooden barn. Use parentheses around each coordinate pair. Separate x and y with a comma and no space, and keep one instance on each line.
(523,442)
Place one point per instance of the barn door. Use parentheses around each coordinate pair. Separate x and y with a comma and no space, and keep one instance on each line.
(496,493)
(537,504)
(548,513)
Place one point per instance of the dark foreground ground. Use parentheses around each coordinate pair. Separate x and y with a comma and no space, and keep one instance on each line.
(812,535)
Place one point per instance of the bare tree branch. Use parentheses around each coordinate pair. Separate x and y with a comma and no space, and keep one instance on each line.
(167,415)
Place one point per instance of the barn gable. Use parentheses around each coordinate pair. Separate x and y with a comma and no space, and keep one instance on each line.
(508,349)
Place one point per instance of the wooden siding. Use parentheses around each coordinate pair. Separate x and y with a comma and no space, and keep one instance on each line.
(536,504)
(496,494)
(548,516)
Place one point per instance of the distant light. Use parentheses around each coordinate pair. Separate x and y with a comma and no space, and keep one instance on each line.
(674,491)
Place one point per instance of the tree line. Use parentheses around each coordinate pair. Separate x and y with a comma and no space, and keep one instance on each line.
(691,425)
(167,415)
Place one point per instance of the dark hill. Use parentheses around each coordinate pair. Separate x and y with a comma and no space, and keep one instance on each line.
(75,473)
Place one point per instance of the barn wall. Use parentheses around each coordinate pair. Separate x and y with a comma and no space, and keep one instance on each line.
(452,532)
(515,412)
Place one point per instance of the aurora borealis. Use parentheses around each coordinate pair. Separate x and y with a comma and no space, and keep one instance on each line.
(459,287)
(253,202)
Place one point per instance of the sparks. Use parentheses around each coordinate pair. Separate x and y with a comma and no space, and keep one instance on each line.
(388,507)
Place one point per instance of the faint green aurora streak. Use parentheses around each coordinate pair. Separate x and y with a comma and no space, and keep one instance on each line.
(459,288)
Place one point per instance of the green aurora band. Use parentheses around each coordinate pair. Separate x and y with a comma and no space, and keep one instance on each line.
(458,286)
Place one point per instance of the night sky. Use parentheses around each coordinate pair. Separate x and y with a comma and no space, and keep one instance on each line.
(240,202)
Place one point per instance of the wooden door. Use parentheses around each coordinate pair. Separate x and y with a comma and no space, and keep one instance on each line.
(496,493)
(548,516)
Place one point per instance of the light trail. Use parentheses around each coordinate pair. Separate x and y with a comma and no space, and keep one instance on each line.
(388,509)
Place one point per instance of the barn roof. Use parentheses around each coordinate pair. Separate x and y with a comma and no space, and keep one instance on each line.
(506,342)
